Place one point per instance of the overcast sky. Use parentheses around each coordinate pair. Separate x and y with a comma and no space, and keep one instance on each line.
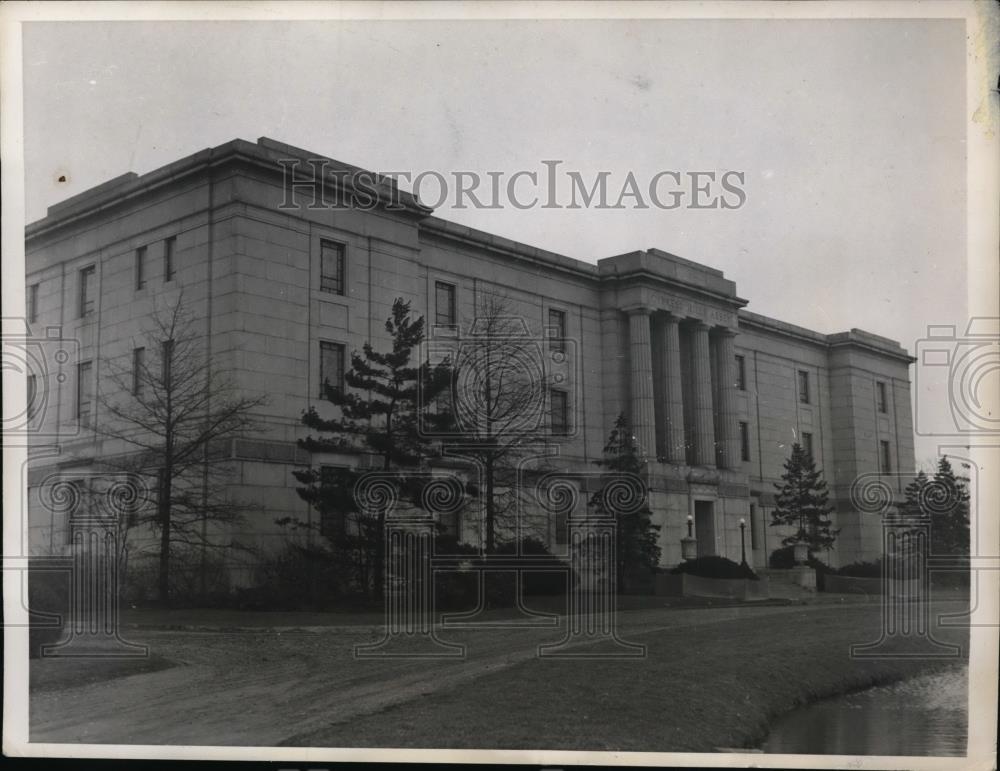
(850,133)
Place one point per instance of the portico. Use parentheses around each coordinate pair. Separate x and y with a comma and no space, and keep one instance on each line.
(680,324)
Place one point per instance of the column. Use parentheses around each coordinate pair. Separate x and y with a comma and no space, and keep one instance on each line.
(701,390)
(673,402)
(728,435)
(641,360)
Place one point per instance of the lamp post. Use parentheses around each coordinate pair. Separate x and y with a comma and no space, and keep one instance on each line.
(689,546)
(743,542)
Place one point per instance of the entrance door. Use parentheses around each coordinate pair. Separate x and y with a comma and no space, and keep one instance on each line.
(704,527)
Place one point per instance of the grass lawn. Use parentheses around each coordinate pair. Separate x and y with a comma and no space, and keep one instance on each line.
(699,688)
(233,619)
(56,674)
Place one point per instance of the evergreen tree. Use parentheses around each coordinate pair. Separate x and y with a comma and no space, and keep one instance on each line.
(947,504)
(638,550)
(378,416)
(803,502)
(912,507)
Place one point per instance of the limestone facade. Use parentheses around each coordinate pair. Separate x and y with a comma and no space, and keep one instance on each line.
(716,395)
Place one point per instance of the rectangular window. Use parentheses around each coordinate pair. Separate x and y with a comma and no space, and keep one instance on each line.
(884,457)
(331,366)
(561,534)
(140,267)
(84,393)
(167,361)
(744,440)
(33,303)
(444,304)
(881,396)
(162,493)
(331,268)
(332,522)
(138,360)
(807,443)
(80,505)
(741,373)
(168,258)
(803,386)
(559,419)
(557,330)
(32,396)
(87,276)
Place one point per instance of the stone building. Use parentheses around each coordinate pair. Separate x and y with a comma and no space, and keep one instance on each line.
(716,395)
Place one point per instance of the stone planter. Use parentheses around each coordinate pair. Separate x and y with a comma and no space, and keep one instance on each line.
(689,548)
(800,553)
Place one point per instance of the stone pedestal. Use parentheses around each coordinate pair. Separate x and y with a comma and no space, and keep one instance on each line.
(804,576)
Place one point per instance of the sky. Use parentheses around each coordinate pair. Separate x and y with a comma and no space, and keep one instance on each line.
(850,134)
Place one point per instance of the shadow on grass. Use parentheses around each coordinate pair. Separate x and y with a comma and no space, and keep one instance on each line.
(58,674)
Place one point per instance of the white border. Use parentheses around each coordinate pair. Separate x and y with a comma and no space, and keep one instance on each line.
(983,28)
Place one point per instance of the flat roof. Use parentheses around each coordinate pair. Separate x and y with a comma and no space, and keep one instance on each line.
(267,151)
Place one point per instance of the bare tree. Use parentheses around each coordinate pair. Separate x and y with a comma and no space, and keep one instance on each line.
(165,400)
(500,392)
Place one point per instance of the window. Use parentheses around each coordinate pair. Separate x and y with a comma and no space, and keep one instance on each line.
(882,397)
(87,290)
(84,393)
(33,303)
(803,386)
(561,534)
(331,366)
(168,258)
(744,440)
(884,457)
(167,361)
(332,521)
(80,505)
(807,443)
(557,330)
(444,304)
(32,396)
(138,360)
(741,373)
(140,267)
(331,267)
(559,418)
(161,485)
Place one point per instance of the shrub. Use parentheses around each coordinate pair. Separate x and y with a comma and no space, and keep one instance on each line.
(542,573)
(48,592)
(715,567)
(862,569)
(784,559)
(300,577)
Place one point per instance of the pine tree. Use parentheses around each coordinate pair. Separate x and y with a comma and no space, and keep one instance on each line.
(948,506)
(912,507)
(803,502)
(378,417)
(638,550)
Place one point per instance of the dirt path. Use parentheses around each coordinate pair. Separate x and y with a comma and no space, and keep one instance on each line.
(260,688)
